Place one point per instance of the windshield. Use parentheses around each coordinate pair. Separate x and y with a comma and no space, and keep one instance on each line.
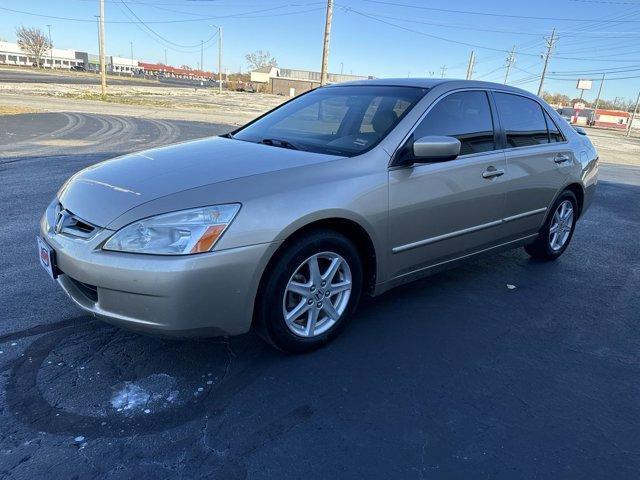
(336,120)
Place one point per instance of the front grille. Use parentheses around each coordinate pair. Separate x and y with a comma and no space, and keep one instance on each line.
(89,291)
(69,224)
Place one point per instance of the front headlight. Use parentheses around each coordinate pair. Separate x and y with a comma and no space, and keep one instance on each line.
(179,233)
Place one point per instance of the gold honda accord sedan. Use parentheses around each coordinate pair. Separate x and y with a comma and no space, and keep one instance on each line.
(281,225)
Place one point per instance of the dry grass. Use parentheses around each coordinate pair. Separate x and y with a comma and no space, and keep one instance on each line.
(11,110)
(118,98)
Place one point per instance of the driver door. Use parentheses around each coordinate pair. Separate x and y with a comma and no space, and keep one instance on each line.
(444,210)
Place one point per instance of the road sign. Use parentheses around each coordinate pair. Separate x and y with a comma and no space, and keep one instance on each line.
(584,84)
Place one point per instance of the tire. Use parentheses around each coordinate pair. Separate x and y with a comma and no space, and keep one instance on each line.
(548,246)
(288,283)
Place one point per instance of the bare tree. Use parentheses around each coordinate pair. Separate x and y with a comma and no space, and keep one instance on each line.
(34,42)
(259,59)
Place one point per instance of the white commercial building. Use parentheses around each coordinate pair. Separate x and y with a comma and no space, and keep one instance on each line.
(12,54)
(123,65)
(264,74)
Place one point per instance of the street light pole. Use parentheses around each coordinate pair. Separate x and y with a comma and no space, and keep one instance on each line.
(201,55)
(50,47)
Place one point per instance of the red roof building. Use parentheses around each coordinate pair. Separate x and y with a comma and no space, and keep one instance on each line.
(168,70)
(611,118)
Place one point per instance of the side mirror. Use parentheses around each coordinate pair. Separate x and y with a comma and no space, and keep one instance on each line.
(580,130)
(435,149)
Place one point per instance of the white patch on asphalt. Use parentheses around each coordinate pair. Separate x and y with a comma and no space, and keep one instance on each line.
(511,287)
(130,397)
(153,393)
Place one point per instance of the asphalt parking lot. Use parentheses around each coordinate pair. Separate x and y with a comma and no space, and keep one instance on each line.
(454,376)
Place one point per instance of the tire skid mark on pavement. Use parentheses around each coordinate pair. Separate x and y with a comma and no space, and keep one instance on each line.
(105,126)
(168,133)
(120,133)
(101,134)
(31,147)
(18,148)
(71,121)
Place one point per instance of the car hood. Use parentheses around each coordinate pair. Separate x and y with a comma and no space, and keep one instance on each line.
(101,193)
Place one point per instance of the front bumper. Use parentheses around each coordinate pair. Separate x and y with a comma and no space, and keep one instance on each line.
(204,294)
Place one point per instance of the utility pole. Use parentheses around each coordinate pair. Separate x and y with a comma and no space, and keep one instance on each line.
(220,60)
(443,71)
(131,43)
(50,48)
(202,55)
(472,62)
(103,66)
(325,47)
(595,110)
(341,67)
(633,115)
(165,56)
(511,58)
(219,57)
(550,44)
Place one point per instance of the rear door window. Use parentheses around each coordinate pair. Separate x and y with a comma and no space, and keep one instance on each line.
(554,132)
(522,119)
(465,116)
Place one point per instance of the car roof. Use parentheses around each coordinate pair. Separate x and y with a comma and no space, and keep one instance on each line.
(453,83)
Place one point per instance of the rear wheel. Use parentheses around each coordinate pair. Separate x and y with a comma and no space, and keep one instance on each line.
(557,231)
(310,292)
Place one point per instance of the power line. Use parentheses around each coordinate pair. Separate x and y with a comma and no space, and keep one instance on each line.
(458,26)
(156,34)
(187,20)
(382,19)
(601,70)
(487,14)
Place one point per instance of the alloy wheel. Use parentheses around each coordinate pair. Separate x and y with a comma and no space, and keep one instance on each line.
(317,294)
(561,225)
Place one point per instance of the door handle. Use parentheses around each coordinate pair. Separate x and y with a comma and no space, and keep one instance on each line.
(561,158)
(491,172)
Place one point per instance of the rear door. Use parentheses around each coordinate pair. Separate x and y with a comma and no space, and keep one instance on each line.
(538,159)
(441,210)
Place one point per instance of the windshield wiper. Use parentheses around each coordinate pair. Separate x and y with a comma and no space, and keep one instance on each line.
(278,142)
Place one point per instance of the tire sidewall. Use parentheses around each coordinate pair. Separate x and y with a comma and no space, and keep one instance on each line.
(271,317)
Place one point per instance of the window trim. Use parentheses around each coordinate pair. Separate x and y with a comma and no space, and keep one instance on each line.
(393,162)
(503,132)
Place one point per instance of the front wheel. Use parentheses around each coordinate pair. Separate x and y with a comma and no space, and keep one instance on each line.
(557,231)
(310,292)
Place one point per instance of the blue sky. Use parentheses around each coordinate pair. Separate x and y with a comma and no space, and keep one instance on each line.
(369,37)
